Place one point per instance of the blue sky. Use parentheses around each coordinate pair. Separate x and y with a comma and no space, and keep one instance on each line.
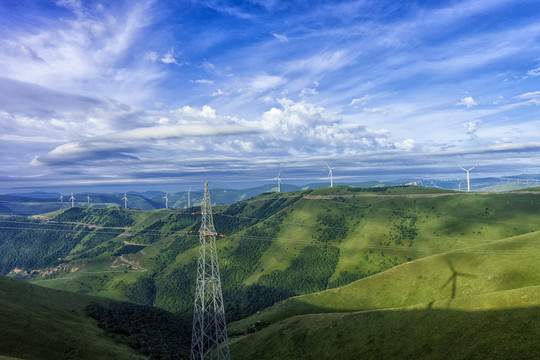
(166,94)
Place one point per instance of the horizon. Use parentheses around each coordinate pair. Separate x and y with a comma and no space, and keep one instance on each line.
(147,94)
(214,186)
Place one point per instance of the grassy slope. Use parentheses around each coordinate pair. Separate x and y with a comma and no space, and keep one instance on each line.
(485,269)
(40,323)
(398,334)
(494,313)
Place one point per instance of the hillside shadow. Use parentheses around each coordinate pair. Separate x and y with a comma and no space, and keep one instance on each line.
(453,279)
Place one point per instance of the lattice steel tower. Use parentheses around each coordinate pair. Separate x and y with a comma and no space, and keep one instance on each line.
(209,338)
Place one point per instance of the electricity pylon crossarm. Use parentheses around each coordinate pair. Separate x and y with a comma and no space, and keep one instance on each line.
(209,338)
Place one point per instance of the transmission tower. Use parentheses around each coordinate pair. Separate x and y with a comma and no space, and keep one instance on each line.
(209,337)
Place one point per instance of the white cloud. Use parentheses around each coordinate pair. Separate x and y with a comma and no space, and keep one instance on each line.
(195,114)
(219,92)
(308,91)
(534,72)
(361,101)
(281,38)
(303,129)
(529,95)
(375,110)
(468,102)
(178,131)
(169,58)
(407,144)
(472,126)
(203,81)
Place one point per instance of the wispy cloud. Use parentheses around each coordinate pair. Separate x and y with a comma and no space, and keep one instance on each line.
(534,72)
(281,37)
(529,95)
(360,101)
(375,110)
(203,81)
(472,126)
(82,55)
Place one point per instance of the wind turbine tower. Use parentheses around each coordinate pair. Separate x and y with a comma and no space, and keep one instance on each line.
(88,198)
(72,198)
(209,336)
(468,178)
(278,181)
(61,198)
(330,175)
(189,197)
(166,197)
(125,200)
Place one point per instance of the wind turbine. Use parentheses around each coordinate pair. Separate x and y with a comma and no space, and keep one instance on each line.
(189,197)
(468,179)
(72,198)
(61,198)
(166,197)
(330,175)
(125,200)
(278,181)
(88,198)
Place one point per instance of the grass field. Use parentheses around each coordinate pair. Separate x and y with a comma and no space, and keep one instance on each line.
(439,279)
(398,334)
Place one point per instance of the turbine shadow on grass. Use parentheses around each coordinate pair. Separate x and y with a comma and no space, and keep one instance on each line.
(453,280)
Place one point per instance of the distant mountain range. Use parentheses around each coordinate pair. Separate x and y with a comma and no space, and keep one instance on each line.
(39,202)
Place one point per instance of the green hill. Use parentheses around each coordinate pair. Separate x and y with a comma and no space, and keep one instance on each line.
(478,303)
(398,334)
(40,323)
(311,243)
(443,281)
